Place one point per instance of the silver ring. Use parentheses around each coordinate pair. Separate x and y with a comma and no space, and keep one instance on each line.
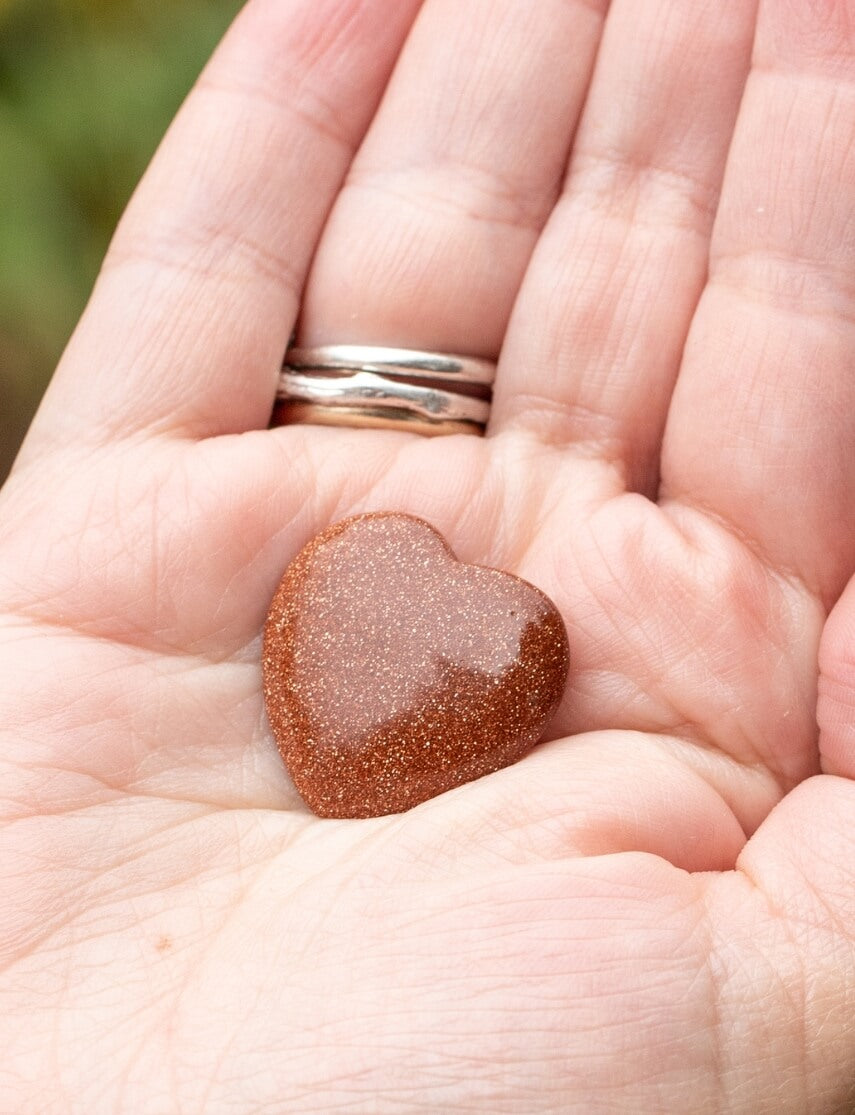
(393,362)
(390,388)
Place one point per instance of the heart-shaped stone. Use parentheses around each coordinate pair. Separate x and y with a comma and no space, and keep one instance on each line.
(393,672)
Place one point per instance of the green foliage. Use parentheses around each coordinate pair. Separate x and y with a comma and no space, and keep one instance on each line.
(87,88)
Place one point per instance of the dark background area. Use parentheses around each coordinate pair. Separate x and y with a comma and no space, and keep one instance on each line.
(87,88)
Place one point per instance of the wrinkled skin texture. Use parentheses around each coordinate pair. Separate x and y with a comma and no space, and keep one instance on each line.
(648,213)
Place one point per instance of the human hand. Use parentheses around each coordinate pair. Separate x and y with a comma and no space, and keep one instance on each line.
(655,910)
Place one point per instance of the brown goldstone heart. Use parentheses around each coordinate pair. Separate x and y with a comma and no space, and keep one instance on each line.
(393,672)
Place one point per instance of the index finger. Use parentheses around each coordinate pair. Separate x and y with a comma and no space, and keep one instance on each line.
(198,295)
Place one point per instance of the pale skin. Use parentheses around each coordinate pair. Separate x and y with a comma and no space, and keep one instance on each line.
(646,215)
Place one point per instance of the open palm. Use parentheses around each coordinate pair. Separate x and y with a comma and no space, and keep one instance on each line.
(655,911)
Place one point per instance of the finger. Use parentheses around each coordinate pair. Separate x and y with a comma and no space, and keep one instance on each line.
(597,334)
(836,704)
(429,238)
(192,313)
(762,425)
(783,949)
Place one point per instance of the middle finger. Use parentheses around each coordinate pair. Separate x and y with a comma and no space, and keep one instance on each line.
(594,348)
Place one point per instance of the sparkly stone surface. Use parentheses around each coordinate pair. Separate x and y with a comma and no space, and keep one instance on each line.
(392,672)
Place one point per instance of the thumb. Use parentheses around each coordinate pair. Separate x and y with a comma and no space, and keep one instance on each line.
(786,950)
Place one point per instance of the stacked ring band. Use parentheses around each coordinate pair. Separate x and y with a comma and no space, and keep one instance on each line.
(390,388)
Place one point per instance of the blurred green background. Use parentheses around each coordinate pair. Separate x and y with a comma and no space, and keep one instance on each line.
(87,88)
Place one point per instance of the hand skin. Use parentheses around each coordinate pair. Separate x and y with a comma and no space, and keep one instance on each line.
(655,911)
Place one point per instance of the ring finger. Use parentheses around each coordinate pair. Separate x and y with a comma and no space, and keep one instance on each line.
(432,232)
